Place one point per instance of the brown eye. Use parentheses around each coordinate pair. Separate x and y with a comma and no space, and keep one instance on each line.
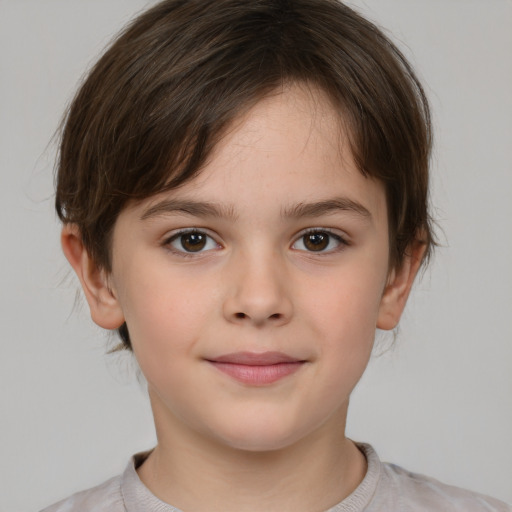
(193,242)
(320,241)
(316,241)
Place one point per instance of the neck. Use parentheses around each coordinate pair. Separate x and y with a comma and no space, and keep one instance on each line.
(194,472)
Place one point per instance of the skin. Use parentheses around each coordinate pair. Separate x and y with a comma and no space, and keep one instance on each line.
(255,286)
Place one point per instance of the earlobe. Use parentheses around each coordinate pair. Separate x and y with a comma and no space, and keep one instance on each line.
(399,286)
(103,303)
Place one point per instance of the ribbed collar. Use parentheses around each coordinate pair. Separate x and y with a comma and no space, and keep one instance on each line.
(138,497)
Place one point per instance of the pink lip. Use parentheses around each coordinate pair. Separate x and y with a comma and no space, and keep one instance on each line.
(257,369)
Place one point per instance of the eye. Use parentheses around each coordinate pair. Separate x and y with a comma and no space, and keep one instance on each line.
(319,240)
(193,241)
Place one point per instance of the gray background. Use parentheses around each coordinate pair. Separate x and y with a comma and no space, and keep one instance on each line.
(438,403)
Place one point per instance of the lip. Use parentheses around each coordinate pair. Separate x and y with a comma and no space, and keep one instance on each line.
(257,369)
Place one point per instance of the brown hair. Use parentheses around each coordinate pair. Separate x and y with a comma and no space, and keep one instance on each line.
(156,103)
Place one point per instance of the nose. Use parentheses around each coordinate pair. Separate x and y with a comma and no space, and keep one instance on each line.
(258,292)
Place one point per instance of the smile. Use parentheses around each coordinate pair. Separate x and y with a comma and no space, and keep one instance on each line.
(257,369)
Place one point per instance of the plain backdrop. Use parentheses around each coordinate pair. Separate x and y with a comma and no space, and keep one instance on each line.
(438,403)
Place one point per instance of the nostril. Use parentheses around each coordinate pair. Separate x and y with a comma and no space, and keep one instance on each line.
(275,316)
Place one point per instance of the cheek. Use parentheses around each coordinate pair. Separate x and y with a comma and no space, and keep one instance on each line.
(345,307)
(166,314)
(345,318)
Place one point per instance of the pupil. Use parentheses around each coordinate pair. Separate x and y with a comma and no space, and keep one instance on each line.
(316,241)
(193,242)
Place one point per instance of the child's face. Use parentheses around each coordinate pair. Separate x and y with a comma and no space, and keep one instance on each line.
(287,257)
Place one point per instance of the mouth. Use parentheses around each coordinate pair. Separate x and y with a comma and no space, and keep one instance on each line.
(257,369)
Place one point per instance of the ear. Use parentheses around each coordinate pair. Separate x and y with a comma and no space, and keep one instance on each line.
(102,300)
(398,287)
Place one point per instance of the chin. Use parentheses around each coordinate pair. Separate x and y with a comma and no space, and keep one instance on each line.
(258,437)
(258,444)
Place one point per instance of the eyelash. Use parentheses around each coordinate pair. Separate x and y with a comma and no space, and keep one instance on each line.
(342,242)
(183,253)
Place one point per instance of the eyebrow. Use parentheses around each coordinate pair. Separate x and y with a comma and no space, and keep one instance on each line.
(329,206)
(207,209)
(193,208)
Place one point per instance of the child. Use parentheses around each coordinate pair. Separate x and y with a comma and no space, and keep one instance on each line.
(243,187)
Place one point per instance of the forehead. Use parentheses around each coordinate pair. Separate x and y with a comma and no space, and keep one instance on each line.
(295,122)
(290,148)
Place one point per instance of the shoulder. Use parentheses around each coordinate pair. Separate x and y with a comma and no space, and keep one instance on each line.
(414,492)
(103,498)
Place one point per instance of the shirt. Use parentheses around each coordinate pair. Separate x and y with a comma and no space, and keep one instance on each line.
(385,488)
